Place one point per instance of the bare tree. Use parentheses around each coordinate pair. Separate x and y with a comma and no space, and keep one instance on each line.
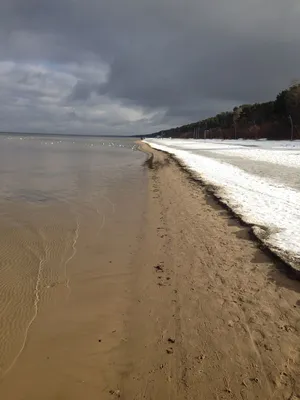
(293,104)
(236,115)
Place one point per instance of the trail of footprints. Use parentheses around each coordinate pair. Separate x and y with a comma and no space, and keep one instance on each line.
(163,278)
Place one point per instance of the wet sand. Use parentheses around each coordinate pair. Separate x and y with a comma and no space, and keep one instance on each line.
(63,339)
(192,308)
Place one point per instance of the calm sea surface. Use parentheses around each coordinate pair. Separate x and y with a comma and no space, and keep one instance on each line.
(60,198)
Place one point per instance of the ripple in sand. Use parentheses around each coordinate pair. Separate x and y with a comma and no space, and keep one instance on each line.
(22,259)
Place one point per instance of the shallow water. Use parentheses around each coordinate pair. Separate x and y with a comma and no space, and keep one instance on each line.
(56,193)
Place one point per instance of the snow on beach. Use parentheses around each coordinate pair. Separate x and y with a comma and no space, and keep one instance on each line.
(269,203)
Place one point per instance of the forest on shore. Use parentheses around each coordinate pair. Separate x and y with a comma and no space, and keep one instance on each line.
(274,120)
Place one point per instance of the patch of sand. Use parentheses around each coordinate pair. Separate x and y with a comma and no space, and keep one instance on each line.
(214,316)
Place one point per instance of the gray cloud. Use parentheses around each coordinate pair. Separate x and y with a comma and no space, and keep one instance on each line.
(81,91)
(137,66)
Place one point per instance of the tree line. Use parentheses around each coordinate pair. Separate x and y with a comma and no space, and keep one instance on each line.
(277,120)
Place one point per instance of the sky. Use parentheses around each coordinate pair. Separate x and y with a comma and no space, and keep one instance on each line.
(140,66)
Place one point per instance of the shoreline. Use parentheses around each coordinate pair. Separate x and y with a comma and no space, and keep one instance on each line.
(68,267)
(184,306)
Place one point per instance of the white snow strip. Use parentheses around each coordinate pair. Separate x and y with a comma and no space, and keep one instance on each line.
(270,207)
(282,153)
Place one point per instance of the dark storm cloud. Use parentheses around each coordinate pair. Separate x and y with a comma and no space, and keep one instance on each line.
(81,91)
(144,63)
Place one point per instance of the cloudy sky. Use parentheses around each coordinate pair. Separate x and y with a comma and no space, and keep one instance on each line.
(138,66)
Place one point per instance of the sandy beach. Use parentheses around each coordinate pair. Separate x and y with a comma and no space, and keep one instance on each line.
(193,309)
(214,316)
